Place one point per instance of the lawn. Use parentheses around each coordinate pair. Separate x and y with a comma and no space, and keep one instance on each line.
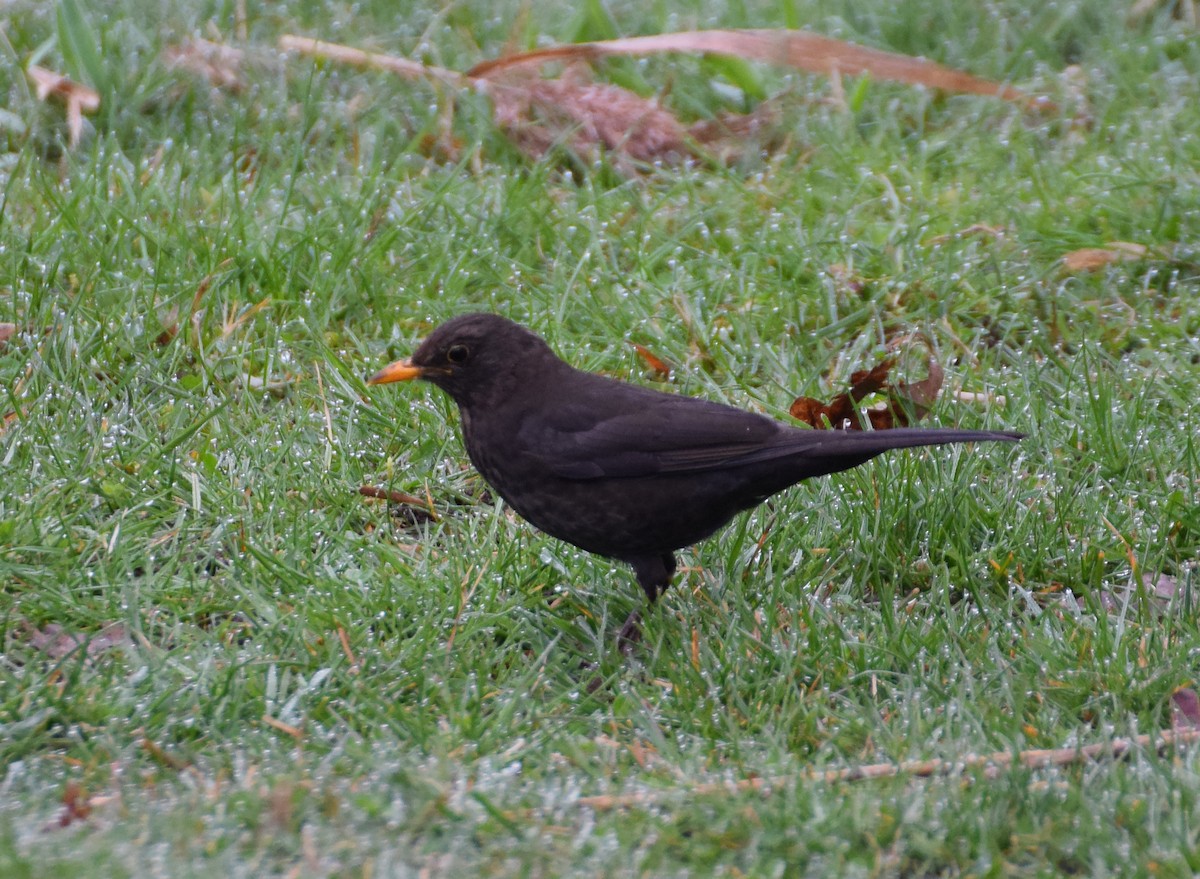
(220,658)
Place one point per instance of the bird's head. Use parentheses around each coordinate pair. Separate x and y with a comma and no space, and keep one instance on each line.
(475,358)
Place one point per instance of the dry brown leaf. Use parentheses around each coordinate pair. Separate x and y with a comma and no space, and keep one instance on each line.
(1185,709)
(657,365)
(842,411)
(789,48)
(78,98)
(809,410)
(916,398)
(56,642)
(10,417)
(220,65)
(544,113)
(906,402)
(76,806)
(1089,259)
(924,393)
(1162,587)
(7,331)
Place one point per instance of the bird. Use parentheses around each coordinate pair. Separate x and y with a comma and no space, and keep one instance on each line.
(619,470)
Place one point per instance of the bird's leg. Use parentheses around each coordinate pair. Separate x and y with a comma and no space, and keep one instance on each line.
(654,576)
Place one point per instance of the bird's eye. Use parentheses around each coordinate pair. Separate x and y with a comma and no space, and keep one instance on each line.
(457,354)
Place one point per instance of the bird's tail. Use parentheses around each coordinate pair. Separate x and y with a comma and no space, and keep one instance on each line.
(875,442)
(803,454)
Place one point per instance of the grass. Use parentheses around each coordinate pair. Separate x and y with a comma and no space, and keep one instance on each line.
(313,686)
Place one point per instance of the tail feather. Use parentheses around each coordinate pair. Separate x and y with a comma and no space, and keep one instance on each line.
(874,442)
(803,454)
(862,445)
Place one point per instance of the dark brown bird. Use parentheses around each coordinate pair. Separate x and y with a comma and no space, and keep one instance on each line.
(619,470)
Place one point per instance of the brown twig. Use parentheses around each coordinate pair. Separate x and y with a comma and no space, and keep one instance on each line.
(162,756)
(345,640)
(395,497)
(359,58)
(990,763)
(286,728)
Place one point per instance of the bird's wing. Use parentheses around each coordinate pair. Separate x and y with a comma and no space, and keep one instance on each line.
(619,431)
(645,435)
(639,432)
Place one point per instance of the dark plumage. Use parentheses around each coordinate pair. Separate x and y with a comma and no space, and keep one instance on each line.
(619,470)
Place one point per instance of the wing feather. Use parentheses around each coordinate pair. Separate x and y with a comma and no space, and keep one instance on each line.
(648,434)
(625,431)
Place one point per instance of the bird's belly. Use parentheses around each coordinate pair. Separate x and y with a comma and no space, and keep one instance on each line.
(619,518)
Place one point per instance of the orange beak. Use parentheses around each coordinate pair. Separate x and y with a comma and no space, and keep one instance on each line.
(400,371)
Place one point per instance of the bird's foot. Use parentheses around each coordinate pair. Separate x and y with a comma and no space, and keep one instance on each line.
(630,634)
